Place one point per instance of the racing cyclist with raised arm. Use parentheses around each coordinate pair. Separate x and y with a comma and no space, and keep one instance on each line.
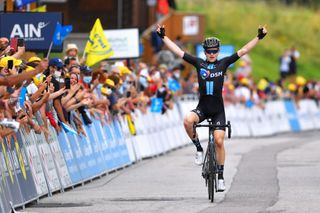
(210,77)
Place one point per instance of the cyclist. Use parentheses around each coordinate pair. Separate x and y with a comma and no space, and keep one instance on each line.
(210,77)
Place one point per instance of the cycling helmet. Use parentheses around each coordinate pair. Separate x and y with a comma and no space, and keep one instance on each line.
(211,42)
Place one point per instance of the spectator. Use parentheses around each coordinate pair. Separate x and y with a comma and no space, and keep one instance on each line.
(285,61)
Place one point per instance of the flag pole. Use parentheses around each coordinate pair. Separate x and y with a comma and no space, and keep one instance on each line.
(49,51)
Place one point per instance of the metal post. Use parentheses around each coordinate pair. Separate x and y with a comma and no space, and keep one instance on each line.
(120,6)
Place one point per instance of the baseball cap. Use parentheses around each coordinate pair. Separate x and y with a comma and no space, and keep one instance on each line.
(56,62)
(33,59)
(4,61)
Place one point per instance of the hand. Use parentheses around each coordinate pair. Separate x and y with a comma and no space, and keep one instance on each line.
(43,65)
(86,102)
(161,31)
(80,94)
(43,85)
(21,50)
(28,108)
(51,88)
(262,32)
(49,78)
(74,88)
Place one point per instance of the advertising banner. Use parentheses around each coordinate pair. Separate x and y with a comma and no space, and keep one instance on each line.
(47,163)
(35,28)
(9,175)
(124,43)
(70,158)
(34,162)
(22,169)
(91,149)
(124,155)
(100,145)
(5,195)
(58,159)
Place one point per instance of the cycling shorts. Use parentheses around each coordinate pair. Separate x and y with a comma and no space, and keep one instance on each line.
(213,108)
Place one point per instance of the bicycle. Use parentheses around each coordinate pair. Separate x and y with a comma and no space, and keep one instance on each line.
(209,167)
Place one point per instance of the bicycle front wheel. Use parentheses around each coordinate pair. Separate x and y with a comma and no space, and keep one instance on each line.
(212,173)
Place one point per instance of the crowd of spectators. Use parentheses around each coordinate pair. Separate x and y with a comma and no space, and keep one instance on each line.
(241,87)
(36,93)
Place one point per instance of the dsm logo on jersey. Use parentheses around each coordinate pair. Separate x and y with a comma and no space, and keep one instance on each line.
(204,73)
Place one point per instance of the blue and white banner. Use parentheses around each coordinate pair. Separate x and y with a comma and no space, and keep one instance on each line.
(37,29)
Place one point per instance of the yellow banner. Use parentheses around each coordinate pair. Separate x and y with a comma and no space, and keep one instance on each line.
(97,47)
(40,9)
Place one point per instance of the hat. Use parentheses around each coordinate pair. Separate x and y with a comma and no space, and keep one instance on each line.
(124,70)
(163,66)
(38,79)
(4,61)
(292,87)
(300,81)
(56,62)
(262,84)
(109,82)
(33,59)
(85,69)
(71,47)
(29,69)
(244,81)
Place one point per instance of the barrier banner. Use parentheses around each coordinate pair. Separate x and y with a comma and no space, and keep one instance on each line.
(58,159)
(122,146)
(292,115)
(112,146)
(304,115)
(79,155)
(5,195)
(106,148)
(70,158)
(47,163)
(277,115)
(10,179)
(92,147)
(100,146)
(34,162)
(22,169)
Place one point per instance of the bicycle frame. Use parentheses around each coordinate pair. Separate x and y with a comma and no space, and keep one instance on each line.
(209,167)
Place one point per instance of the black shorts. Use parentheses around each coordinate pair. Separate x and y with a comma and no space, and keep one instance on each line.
(211,108)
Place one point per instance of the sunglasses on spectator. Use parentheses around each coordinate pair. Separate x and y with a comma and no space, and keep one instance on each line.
(212,51)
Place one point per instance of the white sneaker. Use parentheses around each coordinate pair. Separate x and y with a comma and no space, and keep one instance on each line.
(199,158)
(221,186)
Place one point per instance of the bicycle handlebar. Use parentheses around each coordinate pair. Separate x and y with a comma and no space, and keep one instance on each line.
(228,125)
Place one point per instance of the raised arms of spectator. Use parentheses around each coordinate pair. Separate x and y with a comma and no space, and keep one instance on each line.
(170,44)
(16,79)
(262,31)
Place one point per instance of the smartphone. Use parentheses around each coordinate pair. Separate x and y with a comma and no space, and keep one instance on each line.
(14,44)
(10,64)
(67,83)
(128,94)
(20,42)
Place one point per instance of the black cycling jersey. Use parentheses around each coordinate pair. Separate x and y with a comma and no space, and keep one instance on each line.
(210,78)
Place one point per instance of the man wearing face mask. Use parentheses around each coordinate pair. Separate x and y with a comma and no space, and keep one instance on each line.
(85,78)
(55,69)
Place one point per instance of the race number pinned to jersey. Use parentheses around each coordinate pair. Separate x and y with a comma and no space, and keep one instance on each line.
(204,73)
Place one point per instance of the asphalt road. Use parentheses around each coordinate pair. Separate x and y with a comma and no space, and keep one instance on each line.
(273,174)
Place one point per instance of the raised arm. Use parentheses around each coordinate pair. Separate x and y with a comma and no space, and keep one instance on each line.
(262,32)
(170,44)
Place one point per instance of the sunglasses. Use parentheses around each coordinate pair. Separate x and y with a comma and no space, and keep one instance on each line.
(212,51)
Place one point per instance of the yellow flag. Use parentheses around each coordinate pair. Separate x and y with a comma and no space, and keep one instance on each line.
(97,47)
(40,9)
